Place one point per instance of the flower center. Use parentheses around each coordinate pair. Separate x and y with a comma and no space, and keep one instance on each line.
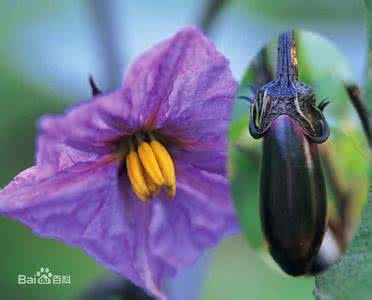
(149,167)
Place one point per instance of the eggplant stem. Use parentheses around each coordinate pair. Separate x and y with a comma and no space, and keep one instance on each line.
(287,65)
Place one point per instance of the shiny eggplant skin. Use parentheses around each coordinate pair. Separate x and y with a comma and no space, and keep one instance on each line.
(292,196)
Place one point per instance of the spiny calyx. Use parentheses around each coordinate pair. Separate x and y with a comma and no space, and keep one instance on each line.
(149,167)
(296,100)
(286,95)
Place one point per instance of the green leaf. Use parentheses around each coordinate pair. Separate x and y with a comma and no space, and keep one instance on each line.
(351,276)
(305,10)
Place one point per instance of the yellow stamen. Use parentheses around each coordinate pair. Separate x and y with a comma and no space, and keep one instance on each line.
(166,165)
(149,162)
(149,167)
(153,188)
(136,175)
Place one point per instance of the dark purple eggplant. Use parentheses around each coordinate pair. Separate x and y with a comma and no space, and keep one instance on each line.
(293,197)
(293,202)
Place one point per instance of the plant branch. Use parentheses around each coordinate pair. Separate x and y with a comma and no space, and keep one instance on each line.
(106,34)
(211,10)
(360,106)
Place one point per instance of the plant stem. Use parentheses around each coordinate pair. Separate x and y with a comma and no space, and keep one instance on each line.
(106,33)
(211,10)
(361,108)
(287,65)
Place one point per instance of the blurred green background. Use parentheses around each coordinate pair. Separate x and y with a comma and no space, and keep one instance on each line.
(47,50)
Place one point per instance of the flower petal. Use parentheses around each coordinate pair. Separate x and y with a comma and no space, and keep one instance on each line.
(85,206)
(182,86)
(84,132)
(198,217)
(61,205)
(210,159)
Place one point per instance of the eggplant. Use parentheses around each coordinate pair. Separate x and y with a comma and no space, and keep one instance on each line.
(293,204)
(293,197)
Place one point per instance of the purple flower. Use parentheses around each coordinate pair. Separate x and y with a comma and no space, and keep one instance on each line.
(137,177)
